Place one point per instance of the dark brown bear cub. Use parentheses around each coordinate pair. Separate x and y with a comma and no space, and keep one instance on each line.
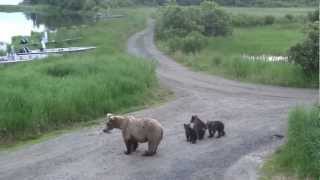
(199,126)
(190,133)
(214,126)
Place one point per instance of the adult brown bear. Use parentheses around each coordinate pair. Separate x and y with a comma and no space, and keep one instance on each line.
(136,130)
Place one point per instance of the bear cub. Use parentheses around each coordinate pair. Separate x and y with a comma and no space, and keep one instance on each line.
(214,126)
(199,126)
(190,133)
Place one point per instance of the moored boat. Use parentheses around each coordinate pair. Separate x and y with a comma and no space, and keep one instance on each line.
(40,54)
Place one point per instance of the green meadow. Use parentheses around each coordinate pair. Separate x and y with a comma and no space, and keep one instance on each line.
(41,96)
(223,55)
(277,12)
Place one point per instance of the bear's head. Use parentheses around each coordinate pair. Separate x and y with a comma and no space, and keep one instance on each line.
(194,118)
(113,122)
(109,123)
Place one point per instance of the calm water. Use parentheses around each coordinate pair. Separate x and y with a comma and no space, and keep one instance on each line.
(15,24)
(10,2)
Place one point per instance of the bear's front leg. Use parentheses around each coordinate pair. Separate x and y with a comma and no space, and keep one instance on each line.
(135,145)
(211,132)
(128,145)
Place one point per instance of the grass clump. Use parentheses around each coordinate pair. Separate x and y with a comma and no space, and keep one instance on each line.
(300,157)
(41,96)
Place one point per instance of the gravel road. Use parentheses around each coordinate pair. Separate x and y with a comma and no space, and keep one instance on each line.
(251,113)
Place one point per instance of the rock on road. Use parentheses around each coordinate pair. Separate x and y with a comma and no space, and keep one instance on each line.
(252,114)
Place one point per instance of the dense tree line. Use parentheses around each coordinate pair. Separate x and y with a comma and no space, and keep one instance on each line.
(90,4)
(67,4)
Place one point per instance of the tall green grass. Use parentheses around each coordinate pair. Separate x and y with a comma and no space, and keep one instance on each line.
(300,156)
(40,96)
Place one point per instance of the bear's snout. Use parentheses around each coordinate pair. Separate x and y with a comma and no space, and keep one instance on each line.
(106,131)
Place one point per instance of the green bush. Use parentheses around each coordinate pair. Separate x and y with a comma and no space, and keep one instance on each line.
(216,22)
(177,21)
(206,19)
(269,20)
(193,42)
(175,44)
(306,54)
(289,17)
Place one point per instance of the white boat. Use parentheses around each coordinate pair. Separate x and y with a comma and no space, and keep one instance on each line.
(38,54)
(58,50)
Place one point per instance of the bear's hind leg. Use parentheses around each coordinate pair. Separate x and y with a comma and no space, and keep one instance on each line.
(151,149)
(220,133)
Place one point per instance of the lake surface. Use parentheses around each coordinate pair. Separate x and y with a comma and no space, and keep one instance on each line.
(10,2)
(14,24)
(22,24)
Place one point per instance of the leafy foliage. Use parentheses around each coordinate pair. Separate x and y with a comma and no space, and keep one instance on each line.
(268,20)
(185,27)
(306,53)
(215,21)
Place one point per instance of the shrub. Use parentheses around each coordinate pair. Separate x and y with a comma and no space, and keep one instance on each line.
(206,19)
(289,17)
(306,54)
(268,20)
(193,43)
(177,21)
(215,21)
(174,44)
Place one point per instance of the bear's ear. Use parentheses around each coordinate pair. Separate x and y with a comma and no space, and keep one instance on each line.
(109,116)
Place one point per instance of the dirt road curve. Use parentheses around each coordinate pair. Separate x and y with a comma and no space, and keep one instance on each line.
(252,114)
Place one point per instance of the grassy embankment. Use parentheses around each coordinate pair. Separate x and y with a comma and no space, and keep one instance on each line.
(277,12)
(222,56)
(41,96)
(300,157)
